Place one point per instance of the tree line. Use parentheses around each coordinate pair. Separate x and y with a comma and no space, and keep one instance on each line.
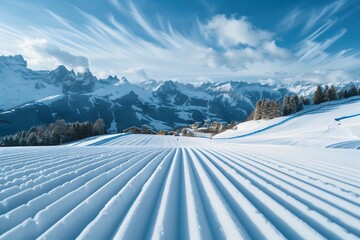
(330,94)
(54,134)
(269,109)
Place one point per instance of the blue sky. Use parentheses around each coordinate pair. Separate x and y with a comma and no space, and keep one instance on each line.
(198,40)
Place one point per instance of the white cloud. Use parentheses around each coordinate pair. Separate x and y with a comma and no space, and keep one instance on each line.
(324,13)
(242,44)
(275,51)
(104,74)
(268,81)
(222,48)
(312,18)
(311,50)
(231,32)
(234,59)
(203,79)
(326,76)
(40,54)
(291,20)
(136,73)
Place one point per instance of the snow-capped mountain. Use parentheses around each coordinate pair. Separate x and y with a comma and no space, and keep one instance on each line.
(29,98)
(307,88)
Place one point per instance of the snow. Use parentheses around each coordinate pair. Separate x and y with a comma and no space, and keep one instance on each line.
(250,127)
(316,126)
(127,186)
(24,91)
(184,115)
(113,127)
(121,89)
(153,123)
(157,124)
(50,99)
(136,108)
(17,83)
(347,145)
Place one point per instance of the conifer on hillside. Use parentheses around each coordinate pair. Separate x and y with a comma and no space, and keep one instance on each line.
(352,91)
(56,133)
(318,95)
(285,105)
(267,109)
(99,127)
(332,93)
(341,94)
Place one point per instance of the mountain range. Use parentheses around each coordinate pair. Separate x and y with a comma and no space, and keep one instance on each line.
(29,98)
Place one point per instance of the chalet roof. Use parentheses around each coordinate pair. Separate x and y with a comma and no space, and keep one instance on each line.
(146,126)
(132,127)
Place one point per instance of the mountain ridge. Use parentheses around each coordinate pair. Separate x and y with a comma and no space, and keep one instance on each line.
(29,97)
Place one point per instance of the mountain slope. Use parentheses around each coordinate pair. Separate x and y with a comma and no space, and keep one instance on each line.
(323,125)
(40,97)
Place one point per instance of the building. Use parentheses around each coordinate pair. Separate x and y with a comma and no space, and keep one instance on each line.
(162,132)
(194,126)
(146,129)
(132,129)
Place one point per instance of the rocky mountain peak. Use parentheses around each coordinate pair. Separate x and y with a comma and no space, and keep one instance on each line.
(16,60)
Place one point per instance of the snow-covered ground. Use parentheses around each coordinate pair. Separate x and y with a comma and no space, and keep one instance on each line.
(167,187)
(347,145)
(252,185)
(317,126)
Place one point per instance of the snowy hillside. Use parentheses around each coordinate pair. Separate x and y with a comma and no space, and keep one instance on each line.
(165,187)
(20,85)
(322,125)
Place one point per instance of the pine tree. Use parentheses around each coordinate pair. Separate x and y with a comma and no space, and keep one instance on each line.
(326,91)
(332,93)
(341,94)
(76,128)
(304,100)
(285,105)
(4,141)
(32,139)
(257,115)
(250,117)
(265,108)
(326,94)
(277,109)
(292,105)
(298,103)
(99,127)
(352,91)
(318,95)
(16,140)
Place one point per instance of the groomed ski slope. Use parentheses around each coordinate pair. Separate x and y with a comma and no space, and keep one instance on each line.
(165,187)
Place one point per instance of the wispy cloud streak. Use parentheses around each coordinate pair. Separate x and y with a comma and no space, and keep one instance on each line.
(126,42)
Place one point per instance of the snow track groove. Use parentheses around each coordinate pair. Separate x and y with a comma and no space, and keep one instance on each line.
(165,187)
(302,194)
